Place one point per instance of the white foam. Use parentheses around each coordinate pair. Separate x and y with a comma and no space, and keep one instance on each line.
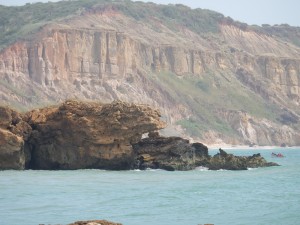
(249,168)
(201,168)
(155,170)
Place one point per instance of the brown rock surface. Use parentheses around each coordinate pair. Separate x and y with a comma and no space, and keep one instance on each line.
(77,135)
(12,154)
(169,153)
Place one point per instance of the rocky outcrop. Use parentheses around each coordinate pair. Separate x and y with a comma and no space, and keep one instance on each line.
(77,135)
(169,153)
(95,222)
(226,161)
(14,132)
(174,153)
(89,135)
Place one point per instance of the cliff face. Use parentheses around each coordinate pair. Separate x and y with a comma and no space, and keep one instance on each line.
(84,60)
(107,56)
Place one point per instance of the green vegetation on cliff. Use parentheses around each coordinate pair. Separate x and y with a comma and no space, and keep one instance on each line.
(18,22)
(24,21)
(208,96)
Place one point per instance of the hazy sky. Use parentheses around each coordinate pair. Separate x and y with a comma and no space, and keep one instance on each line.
(248,11)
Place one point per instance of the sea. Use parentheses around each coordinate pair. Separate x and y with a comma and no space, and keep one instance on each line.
(262,196)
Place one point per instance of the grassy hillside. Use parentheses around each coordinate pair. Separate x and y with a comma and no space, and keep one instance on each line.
(283,31)
(206,96)
(23,21)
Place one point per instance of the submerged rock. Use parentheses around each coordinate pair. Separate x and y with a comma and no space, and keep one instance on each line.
(95,222)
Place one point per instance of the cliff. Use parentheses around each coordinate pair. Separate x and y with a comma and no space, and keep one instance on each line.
(197,79)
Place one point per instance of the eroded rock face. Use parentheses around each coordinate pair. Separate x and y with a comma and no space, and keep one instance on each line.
(13,134)
(169,153)
(77,135)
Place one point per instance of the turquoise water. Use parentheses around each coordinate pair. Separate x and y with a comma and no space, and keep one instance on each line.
(264,196)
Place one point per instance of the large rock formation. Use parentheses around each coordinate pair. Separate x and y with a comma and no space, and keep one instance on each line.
(77,135)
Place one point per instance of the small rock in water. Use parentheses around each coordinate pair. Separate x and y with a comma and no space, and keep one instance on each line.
(95,222)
